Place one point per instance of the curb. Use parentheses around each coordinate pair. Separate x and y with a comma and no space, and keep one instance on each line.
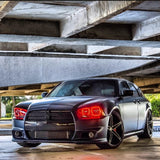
(156,129)
(5,132)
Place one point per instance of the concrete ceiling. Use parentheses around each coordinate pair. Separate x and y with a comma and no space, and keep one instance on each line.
(122,29)
(40,11)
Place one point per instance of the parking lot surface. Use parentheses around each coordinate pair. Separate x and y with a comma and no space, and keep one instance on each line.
(131,149)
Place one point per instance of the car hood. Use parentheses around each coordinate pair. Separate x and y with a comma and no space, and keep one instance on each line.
(63,103)
(59,103)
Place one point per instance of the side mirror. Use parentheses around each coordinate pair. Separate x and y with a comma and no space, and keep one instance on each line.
(128,92)
(44,94)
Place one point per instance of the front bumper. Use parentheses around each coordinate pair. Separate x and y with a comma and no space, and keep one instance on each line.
(85,132)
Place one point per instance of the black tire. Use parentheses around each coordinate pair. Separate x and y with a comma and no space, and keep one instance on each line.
(148,127)
(24,144)
(115,132)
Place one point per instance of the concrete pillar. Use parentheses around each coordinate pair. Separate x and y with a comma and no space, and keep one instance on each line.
(13,101)
(0,106)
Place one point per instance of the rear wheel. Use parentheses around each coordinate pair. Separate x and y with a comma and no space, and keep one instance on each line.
(148,127)
(24,144)
(115,132)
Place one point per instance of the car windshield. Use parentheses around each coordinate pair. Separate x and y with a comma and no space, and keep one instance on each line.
(85,88)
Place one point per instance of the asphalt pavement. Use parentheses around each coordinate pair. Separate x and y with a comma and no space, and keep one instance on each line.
(131,149)
(5,127)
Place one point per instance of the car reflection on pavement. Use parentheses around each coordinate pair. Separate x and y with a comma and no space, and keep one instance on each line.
(132,148)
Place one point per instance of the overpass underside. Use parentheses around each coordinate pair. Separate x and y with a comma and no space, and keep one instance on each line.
(45,42)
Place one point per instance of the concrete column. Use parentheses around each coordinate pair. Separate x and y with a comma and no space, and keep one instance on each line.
(13,101)
(0,106)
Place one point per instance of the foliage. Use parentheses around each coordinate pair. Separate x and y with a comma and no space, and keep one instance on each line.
(155,103)
(8,101)
(4,118)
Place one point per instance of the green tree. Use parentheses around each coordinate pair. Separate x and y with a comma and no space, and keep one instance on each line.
(155,103)
(8,101)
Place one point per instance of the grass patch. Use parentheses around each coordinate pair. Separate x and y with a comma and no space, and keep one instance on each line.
(4,118)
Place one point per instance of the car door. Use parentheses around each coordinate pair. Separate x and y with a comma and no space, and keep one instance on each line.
(141,105)
(129,110)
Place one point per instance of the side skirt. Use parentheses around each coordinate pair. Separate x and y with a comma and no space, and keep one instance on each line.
(133,133)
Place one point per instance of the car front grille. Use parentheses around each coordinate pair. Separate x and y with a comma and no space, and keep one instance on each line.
(49,124)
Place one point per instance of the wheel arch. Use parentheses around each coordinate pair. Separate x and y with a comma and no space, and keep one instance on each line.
(116,109)
(147,111)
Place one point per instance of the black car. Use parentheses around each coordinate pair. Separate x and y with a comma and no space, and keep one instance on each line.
(101,111)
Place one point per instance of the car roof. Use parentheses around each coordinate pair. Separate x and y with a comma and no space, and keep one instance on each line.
(98,78)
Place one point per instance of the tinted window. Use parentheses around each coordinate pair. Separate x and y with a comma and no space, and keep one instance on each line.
(132,87)
(124,86)
(85,88)
(139,91)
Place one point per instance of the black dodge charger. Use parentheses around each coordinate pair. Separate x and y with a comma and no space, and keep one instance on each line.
(101,111)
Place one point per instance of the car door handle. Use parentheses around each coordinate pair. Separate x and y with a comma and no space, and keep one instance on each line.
(138,101)
(135,101)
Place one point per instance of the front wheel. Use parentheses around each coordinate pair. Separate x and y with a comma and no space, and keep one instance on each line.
(115,132)
(148,127)
(24,144)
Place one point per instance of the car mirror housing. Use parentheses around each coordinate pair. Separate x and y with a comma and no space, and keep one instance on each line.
(44,94)
(128,92)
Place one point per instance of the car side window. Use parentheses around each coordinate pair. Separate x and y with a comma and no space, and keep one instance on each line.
(139,91)
(124,86)
(135,92)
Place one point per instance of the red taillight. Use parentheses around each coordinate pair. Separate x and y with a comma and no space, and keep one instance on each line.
(90,111)
(19,113)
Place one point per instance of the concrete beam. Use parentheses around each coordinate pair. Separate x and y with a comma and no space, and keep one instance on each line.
(123,51)
(96,49)
(18,46)
(149,70)
(107,31)
(141,82)
(23,87)
(151,91)
(29,27)
(13,46)
(76,56)
(74,49)
(146,89)
(133,16)
(95,13)
(27,92)
(65,3)
(37,11)
(157,90)
(65,48)
(27,89)
(147,29)
(58,69)
(22,92)
(76,41)
(36,46)
(147,51)
(5,7)
(148,5)
(49,86)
